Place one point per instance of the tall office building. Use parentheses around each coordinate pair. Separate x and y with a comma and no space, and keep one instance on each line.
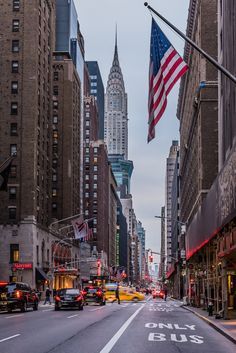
(170,167)
(116,116)
(27,45)
(97,90)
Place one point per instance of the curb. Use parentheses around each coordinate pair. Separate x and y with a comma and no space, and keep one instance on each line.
(212,324)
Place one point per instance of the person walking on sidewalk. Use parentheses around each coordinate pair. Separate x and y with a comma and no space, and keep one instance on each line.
(118,293)
(47,296)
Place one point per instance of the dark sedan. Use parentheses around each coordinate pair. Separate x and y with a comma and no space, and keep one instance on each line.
(93,294)
(69,298)
(17,295)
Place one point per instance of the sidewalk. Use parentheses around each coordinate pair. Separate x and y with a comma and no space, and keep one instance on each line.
(225,327)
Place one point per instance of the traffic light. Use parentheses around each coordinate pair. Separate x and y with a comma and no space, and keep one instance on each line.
(151,258)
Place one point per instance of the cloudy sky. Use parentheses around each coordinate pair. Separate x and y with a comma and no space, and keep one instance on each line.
(98,19)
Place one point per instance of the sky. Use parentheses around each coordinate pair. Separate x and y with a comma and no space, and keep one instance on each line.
(98,19)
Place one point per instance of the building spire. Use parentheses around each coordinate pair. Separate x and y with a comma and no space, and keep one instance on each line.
(116,48)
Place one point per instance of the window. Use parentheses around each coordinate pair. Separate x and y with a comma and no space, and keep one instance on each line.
(55,76)
(54,177)
(16,5)
(87,115)
(87,194)
(12,212)
(14,87)
(86,212)
(54,192)
(13,129)
(54,206)
(87,177)
(15,25)
(12,193)
(87,150)
(93,91)
(86,186)
(14,253)
(55,104)
(95,159)
(15,46)
(95,150)
(95,194)
(93,84)
(87,132)
(14,108)
(55,119)
(95,186)
(13,171)
(95,177)
(87,123)
(86,159)
(55,90)
(95,168)
(13,150)
(14,66)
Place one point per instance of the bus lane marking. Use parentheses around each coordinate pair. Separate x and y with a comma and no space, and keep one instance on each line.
(174,337)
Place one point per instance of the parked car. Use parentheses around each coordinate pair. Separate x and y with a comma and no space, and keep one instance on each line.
(17,295)
(69,298)
(94,294)
(158,293)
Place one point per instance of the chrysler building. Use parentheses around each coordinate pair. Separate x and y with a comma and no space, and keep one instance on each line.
(116,120)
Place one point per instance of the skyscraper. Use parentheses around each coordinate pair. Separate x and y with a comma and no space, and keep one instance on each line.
(97,90)
(116,120)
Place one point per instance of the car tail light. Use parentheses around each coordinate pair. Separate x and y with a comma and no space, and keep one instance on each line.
(83,292)
(57,298)
(18,294)
(99,293)
(79,298)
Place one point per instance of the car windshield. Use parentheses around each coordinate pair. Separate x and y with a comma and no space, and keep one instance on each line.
(11,287)
(91,290)
(72,291)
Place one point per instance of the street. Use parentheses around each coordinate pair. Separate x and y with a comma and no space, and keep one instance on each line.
(150,326)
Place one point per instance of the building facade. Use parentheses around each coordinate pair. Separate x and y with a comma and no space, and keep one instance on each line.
(97,90)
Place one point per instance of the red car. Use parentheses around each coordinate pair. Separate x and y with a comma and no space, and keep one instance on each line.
(158,293)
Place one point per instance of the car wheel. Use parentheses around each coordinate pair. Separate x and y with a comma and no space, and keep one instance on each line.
(35,307)
(24,307)
(135,299)
(57,308)
(9,310)
(81,307)
(104,303)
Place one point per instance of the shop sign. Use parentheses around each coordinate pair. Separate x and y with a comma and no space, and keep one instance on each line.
(22,266)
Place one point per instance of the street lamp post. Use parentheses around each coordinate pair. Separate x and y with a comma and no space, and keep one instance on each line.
(181,254)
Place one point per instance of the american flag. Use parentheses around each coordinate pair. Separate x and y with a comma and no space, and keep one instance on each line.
(166,67)
(83,229)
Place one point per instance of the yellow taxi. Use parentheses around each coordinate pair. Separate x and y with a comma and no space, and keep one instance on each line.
(125,293)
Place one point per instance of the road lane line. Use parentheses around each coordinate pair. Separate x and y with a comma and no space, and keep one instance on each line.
(9,338)
(12,316)
(69,317)
(47,310)
(108,347)
(102,307)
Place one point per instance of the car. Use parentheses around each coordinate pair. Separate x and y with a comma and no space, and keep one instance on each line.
(17,295)
(94,294)
(69,298)
(125,293)
(158,293)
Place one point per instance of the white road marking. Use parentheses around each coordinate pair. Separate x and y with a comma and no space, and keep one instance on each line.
(102,307)
(9,338)
(108,347)
(69,317)
(47,310)
(12,316)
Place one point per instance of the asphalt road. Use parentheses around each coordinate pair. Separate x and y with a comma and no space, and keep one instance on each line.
(147,327)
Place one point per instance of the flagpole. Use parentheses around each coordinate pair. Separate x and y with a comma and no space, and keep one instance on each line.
(7,160)
(207,56)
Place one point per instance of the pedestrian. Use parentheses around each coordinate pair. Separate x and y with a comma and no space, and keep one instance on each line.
(118,293)
(47,296)
(165,293)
